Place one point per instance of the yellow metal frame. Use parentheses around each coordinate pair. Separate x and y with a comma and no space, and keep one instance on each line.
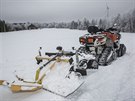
(58,59)
(18,88)
(1,82)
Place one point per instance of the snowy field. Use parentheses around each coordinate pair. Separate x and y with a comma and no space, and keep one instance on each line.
(115,82)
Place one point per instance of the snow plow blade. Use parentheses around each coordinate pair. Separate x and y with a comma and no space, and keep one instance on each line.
(63,93)
(56,78)
(62,87)
(63,90)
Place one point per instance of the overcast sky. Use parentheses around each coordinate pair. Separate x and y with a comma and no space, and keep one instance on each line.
(60,10)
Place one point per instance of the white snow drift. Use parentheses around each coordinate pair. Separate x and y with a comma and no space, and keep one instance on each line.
(115,82)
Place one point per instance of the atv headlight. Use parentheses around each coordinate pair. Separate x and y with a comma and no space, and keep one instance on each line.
(82,40)
(90,40)
(83,64)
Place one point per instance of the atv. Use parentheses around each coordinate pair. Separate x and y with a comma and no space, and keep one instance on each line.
(104,45)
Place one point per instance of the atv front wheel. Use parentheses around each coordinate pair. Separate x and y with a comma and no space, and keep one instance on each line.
(92,64)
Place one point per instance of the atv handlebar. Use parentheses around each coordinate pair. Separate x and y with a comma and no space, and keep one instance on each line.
(60,54)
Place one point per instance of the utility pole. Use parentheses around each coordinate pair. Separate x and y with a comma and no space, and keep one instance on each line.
(107,14)
(107,8)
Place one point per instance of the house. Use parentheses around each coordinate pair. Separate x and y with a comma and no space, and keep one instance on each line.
(31,26)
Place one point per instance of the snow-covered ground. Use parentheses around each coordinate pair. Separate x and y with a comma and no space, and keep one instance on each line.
(115,82)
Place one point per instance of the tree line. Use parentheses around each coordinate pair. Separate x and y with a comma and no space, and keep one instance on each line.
(3,26)
(125,22)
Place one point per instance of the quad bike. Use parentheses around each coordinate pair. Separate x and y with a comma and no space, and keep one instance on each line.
(104,45)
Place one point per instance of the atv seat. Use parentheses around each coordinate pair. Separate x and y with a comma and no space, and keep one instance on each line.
(114,37)
(93,29)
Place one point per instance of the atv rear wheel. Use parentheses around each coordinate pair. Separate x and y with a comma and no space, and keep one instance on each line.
(107,56)
(121,51)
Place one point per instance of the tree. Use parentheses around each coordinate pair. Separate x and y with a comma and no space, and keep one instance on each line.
(80,25)
(73,25)
(93,22)
(133,20)
(117,19)
(3,26)
(86,24)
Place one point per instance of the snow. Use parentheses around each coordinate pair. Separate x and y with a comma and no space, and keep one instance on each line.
(109,83)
